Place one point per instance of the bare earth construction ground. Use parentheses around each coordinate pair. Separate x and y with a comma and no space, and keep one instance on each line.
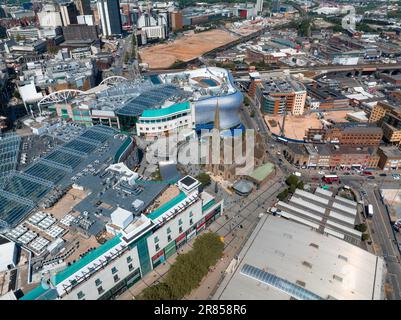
(185,48)
(295,126)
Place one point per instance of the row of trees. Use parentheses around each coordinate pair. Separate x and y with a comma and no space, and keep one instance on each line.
(131,54)
(363,228)
(293,183)
(204,179)
(188,270)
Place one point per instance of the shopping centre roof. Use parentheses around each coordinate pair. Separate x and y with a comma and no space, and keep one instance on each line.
(150,99)
(155,113)
(21,191)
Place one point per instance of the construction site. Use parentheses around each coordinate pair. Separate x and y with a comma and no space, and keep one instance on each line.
(189,46)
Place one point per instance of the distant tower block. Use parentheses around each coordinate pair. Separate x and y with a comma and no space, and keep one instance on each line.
(259,6)
(275,6)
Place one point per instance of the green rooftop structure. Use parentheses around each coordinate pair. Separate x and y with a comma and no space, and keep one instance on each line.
(208,205)
(87,259)
(40,292)
(260,174)
(163,112)
(167,206)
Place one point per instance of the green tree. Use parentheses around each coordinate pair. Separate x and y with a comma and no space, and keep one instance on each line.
(19,38)
(177,64)
(204,179)
(53,49)
(292,188)
(365,237)
(17,94)
(300,185)
(126,57)
(361,227)
(188,270)
(133,46)
(283,195)
(246,101)
(156,176)
(160,291)
(292,180)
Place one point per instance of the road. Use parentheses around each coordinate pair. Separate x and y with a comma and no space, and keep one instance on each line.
(241,216)
(383,235)
(372,67)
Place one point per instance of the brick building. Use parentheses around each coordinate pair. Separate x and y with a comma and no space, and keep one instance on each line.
(388,117)
(356,135)
(390,158)
(353,134)
(328,98)
(332,156)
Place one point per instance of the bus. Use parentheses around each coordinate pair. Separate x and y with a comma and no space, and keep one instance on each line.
(370,210)
(329,178)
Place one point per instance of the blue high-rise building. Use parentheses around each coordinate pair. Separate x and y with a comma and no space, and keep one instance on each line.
(110,18)
(276,6)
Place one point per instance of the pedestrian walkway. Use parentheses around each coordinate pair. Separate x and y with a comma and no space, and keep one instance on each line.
(156,275)
(243,212)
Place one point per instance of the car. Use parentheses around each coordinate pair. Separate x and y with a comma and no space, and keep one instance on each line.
(371,177)
(322,173)
(346,173)
(396,178)
(367,173)
(383,175)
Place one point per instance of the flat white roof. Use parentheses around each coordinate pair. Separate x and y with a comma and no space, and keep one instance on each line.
(303,212)
(334,233)
(346,201)
(324,192)
(307,205)
(299,219)
(7,255)
(341,217)
(344,208)
(311,196)
(344,228)
(322,264)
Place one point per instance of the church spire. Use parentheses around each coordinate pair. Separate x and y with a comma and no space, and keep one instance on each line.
(217,116)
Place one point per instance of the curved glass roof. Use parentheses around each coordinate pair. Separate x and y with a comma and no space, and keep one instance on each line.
(281,284)
(150,99)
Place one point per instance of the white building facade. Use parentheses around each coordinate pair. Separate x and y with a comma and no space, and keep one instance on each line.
(136,250)
(159,122)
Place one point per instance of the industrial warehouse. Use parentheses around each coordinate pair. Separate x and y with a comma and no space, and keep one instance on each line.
(284,260)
